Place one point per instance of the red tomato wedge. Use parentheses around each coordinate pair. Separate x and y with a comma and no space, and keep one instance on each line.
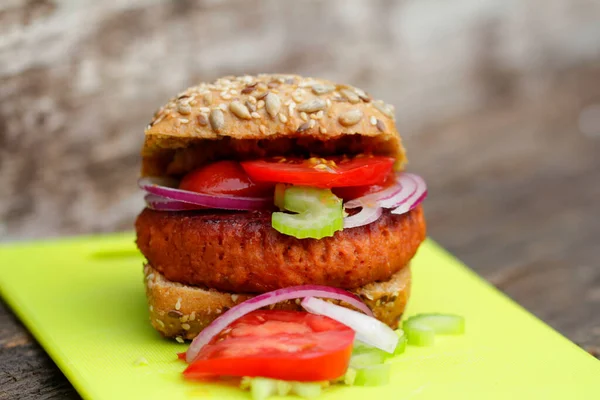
(335,172)
(287,345)
(224,178)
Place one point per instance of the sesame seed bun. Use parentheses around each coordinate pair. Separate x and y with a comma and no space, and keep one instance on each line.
(181,311)
(266,115)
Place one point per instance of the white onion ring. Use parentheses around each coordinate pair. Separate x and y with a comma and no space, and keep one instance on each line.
(266,299)
(363,217)
(368,329)
(164,187)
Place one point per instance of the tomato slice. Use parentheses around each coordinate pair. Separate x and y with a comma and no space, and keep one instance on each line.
(225,178)
(317,172)
(354,192)
(287,345)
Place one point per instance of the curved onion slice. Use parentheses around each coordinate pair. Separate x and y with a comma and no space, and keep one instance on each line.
(368,329)
(163,204)
(419,200)
(415,198)
(164,188)
(375,199)
(406,194)
(364,217)
(266,299)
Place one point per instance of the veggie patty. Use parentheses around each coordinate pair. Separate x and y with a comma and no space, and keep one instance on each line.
(240,252)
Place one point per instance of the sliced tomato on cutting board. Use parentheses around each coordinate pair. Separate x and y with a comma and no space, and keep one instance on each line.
(287,345)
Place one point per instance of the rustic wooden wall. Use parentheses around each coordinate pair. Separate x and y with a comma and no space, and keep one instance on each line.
(79,79)
(499,102)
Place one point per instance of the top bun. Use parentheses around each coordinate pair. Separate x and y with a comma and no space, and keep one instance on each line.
(267,115)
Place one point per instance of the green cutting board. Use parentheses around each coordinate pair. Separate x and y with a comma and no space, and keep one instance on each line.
(83,299)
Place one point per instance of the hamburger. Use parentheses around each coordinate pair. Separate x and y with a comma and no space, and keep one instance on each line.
(259,183)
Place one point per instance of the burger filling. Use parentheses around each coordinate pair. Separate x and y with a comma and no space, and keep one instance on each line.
(316,197)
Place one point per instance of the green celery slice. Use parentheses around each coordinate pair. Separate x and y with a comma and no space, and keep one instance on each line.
(418,335)
(375,375)
(307,225)
(421,329)
(366,359)
(303,198)
(262,388)
(350,376)
(307,390)
(283,387)
(402,339)
(279,195)
(319,213)
(360,347)
(445,324)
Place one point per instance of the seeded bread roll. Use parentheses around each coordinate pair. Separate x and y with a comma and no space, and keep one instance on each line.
(267,115)
(181,312)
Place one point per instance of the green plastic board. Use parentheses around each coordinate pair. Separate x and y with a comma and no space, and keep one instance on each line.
(83,300)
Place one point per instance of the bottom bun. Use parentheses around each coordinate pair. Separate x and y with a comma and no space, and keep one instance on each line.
(181,311)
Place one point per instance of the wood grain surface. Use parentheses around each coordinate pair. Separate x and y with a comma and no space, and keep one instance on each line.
(498,102)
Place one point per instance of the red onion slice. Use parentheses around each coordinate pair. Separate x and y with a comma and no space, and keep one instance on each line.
(407,188)
(266,299)
(408,191)
(164,187)
(159,203)
(419,200)
(372,200)
(364,217)
(368,329)
(414,199)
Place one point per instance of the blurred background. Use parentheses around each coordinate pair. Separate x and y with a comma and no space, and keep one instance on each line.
(498,102)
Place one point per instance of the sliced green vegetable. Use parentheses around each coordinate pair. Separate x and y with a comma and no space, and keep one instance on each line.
(262,388)
(445,324)
(421,329)
(319,213)
(360,347)
(350,376)
(279,195)
(308,390)
(367,358)
(375,375)
(367,364)
(418,335)
(307,225)
(402,339)
(303,198)
(283,387)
